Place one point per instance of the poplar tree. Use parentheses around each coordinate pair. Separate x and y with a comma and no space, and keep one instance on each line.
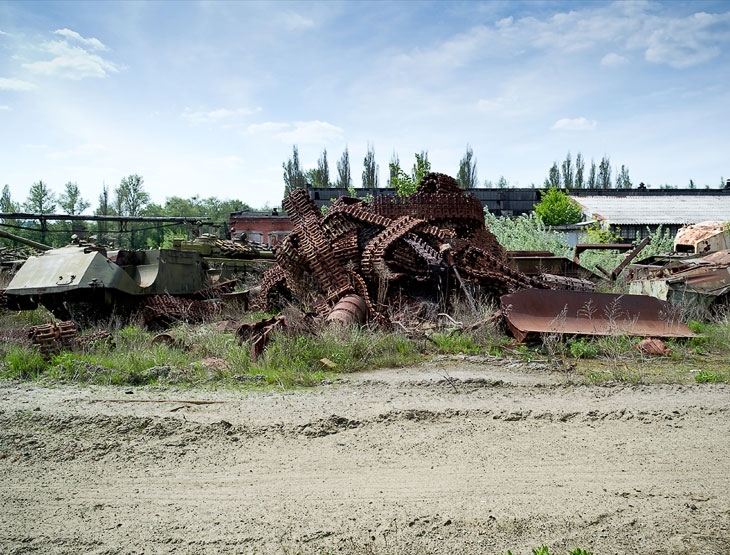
(467,176)
(370,170)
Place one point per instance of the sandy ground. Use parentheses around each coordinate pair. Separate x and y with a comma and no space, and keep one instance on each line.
(459,456)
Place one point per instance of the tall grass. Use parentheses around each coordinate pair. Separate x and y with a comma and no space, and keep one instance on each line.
(202,355)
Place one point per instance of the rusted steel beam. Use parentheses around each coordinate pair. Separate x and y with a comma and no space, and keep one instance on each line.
(629,257)
(582,247)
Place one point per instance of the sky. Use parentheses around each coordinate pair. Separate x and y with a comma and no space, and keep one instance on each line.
(208,99)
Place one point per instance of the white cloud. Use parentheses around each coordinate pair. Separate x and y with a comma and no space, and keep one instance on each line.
(15,85)
(315,132)
(217,116)
(613,60)
(92,43)
(300,132)
(4,107)
(73,62)
(678,42)
(687,41)
(575,124)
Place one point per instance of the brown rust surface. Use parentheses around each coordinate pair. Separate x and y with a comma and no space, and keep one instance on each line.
(533,311)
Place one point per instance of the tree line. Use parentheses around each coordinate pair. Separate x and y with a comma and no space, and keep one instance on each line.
(573,175)
(129,198)
(569,174)
(296,177)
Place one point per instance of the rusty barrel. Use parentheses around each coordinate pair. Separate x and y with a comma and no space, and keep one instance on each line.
(350,309)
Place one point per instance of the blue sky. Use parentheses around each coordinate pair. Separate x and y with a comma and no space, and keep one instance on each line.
(208,98)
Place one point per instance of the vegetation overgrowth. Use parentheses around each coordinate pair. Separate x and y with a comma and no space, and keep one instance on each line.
(203,355)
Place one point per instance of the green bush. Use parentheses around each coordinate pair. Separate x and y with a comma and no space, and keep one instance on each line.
(583,348)
(557,208)
(527,233)
(708,377)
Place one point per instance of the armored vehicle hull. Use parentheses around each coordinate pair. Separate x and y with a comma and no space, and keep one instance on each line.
(84,278)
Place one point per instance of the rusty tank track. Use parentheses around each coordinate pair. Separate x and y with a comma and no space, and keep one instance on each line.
(492,272)
(313,244)
(164,310)
(274,279)
(373,256)
(420,252)
(388,245)
(54,337)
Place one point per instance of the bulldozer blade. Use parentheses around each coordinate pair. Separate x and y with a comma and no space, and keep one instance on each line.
(540,311)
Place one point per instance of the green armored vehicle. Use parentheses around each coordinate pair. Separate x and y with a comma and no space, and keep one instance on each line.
(83,278)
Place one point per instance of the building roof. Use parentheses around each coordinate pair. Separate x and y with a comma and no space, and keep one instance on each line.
(654,210)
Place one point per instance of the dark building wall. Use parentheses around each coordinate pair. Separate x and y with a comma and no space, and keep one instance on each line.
(515,202)
(501,202)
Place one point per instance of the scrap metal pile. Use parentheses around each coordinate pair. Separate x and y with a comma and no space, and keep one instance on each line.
(382,255)
(54,337)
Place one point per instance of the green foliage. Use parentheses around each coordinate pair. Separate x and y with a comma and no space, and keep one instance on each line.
(603,181)
(22,363)
(295,360)
(525,233)
(404,184)
(598,234)
(557,208)
(583,348)
(467,176)
(344,179)
(41,200)
(542,550)
(455,343)
(71,201)
(661,241)
(370,170)
(706,376)
(579,551)
(293,175)
(319,178)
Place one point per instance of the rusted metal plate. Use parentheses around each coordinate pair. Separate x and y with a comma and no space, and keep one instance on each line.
(721,258)
(714,281)
(708,276)
(534,311)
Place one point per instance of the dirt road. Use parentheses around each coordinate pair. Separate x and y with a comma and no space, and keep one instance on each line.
(456,457)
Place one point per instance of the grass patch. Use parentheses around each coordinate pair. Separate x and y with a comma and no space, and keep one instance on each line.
(203,355)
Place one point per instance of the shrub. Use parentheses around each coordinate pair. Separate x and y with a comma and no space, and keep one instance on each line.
(557,208)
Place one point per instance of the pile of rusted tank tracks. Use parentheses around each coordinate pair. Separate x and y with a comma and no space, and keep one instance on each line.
(395,260)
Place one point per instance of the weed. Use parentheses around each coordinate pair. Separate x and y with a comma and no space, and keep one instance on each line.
(22,363)
(542,550)
(583,348)
(455,343)
(709,377)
